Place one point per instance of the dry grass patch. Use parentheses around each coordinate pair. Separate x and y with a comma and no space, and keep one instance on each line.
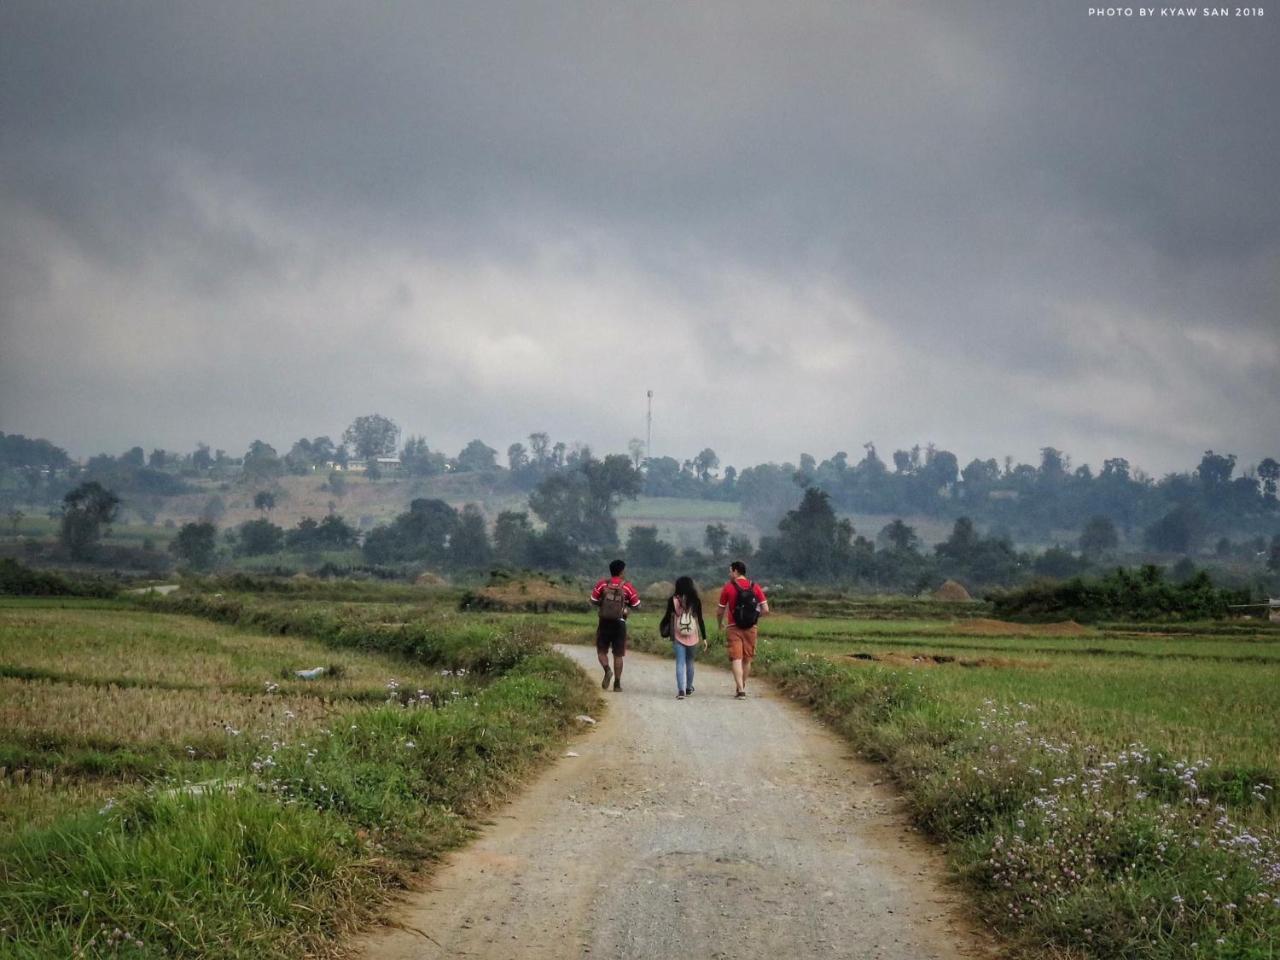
(146,715)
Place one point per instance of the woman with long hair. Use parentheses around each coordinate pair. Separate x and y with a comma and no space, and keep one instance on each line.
(683,624)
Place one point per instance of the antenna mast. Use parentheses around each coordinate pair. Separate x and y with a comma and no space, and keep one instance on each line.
(648,443)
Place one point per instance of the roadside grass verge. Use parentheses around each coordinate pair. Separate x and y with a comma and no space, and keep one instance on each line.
(1100,851)
(1097,806)
(298,832)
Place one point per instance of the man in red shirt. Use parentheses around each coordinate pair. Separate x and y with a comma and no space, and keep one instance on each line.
(744,603)
(615,598)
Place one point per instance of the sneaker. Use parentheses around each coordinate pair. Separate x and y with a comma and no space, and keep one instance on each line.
(680,695)
(617,686)
(608,675)
(740,695)
(689,692)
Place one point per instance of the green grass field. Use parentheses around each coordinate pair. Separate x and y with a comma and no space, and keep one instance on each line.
(170,788)
(1102,791)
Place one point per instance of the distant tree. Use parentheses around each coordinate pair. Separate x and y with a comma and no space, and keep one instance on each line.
(901,461)
(1058,563)
(261,462)
(337,484)
(636,447)
(539,449)
(420,534)
(477,457)
(195,545)
(134,457)
(512,534)
(1215,469)
(85,511)
(716,539)
(419,460)
(158,459)
(469,546)
(1175,532)
(1273,555)
(578,504)
(899,536)
(372,436)
(1054,464)
(259,537)
(334,533)
(1269,474)
(812,543)
(1098,537)
(740,548)
(265,501)
(980,473)
(644,549)
(962,544)
(517,458)
(704,463)
(202,459)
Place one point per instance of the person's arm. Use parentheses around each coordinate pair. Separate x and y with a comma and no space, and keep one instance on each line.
(702,627)
(634,600)
(595,594)
(764,601)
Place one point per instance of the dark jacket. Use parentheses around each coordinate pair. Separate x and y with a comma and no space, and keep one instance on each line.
(664,626)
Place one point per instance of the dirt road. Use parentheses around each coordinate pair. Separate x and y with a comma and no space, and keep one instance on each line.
(707,827)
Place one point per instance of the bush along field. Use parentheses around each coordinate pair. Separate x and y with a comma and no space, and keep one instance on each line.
(1077,839)
(170,787)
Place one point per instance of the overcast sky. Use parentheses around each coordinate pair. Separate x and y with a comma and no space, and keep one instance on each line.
(992,225)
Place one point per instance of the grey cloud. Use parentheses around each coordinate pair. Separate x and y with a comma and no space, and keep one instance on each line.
(320,208)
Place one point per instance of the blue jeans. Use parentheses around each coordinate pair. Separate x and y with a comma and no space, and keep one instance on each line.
(684,666)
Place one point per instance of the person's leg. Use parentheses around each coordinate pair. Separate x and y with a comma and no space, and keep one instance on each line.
(619,654)
(748,654)
(678,649)
(733,642)
(602,654)
(689,657)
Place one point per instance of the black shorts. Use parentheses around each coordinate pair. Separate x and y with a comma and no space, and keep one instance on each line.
(612,635)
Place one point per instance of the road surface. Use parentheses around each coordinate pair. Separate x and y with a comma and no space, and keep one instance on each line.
(702,828)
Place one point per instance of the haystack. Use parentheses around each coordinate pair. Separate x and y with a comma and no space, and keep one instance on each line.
(659,588)
(952,591)
(429,578)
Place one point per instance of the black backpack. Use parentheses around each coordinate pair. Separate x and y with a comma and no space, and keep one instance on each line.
(746,608)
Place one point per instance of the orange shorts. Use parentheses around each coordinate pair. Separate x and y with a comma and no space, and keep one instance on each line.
(741,643)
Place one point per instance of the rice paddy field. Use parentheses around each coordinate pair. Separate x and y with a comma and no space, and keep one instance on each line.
(170,786)
(1102,791)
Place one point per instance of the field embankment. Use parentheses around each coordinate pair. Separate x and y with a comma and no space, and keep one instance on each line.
(171,787)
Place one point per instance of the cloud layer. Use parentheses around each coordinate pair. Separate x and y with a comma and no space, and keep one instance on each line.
(989,226)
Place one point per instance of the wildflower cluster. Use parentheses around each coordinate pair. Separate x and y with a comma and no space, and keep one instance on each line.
(1065,829)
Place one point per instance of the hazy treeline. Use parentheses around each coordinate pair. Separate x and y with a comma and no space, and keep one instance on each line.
(572,495)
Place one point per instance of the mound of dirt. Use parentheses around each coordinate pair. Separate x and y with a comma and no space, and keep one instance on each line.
(952,591)
(429,578)
(524,592)
(1002,628)
(658,590)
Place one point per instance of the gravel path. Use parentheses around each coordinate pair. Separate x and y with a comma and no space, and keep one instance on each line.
(703,828)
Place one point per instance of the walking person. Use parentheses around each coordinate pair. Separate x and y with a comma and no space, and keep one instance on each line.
(615,598)
(682,623)
(744,603)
